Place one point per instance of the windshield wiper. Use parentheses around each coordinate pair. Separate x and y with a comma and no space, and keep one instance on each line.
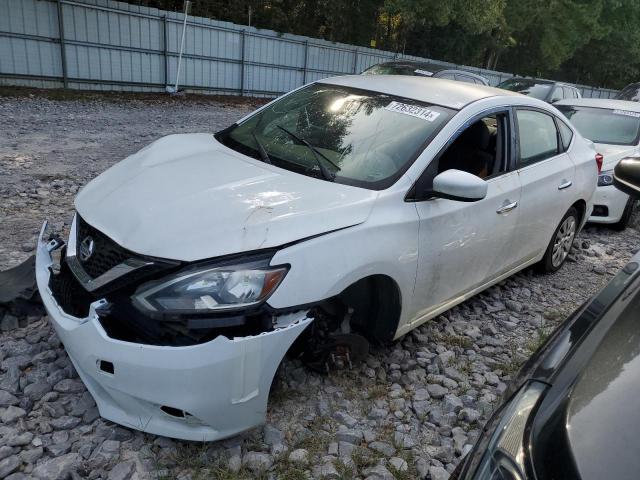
(263,153)
(316,154)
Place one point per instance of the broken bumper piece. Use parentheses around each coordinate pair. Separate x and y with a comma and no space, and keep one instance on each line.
(202,392)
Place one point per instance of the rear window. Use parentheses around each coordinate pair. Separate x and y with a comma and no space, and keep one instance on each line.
(603,125)
(531,88)
(465,78)
(390,69)
(630,93)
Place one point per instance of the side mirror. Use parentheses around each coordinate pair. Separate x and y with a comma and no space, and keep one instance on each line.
(626,176)
(458,185)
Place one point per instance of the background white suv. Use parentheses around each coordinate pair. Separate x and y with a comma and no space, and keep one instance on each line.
(356,207)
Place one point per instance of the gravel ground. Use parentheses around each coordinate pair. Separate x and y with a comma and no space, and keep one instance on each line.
(410,411)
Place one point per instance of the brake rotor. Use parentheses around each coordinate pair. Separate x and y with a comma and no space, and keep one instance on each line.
(340,351)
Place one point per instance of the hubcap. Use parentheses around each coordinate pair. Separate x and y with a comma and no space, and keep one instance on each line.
(563,241)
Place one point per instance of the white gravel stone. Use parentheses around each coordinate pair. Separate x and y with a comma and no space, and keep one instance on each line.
(299,456)
(57,468)
(257,462)
(235,463)
(7,399)
(438,473)
(384,448)
(9,465)
(122,471)
(400,464)
(437,391)
(11,414)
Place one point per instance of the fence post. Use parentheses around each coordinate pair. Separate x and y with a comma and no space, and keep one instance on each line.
(306,59)
(164,50)
(63,50)
(355,60)
(242,41)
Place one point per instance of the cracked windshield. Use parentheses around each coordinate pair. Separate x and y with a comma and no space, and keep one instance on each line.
(341,134)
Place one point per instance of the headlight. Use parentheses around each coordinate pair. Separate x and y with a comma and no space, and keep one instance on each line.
(210,288)
(504,457)
(605,178)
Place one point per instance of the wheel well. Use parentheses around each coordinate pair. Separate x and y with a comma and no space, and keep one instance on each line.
(376,304)
(581,206)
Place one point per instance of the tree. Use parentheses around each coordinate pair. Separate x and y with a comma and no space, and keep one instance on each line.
(613,59)
(593,41)
(548,33)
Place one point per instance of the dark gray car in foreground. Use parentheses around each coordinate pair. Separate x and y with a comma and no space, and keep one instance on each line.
(573,412)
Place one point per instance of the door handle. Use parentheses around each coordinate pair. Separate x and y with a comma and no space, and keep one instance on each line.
(565,184)
(507,207)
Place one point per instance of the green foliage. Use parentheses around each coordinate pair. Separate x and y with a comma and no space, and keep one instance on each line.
(586,41)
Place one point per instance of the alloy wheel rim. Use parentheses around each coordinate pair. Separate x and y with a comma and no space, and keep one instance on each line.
(563,241)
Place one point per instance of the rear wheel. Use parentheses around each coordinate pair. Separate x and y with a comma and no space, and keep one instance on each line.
(561,242)
(626,216)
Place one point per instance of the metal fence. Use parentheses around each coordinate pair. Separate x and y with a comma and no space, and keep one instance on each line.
(108,45)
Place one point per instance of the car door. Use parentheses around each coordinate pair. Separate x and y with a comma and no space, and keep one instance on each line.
(464,245)
(547,175)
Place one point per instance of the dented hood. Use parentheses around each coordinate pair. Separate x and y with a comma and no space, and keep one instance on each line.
(187,197)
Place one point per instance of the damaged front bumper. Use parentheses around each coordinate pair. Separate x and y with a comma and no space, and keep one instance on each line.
(201,392)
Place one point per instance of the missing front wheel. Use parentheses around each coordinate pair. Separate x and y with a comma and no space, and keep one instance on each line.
(329,344)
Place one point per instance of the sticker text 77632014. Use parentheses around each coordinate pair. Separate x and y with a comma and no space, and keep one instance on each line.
(414,110)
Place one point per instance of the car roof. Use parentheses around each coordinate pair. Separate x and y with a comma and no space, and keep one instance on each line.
(438,91)
(431,67)
(529,79)
(416,63)
(542,81)
(601,103)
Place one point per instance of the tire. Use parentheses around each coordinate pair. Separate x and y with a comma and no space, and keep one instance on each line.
(561,242)
(626,216)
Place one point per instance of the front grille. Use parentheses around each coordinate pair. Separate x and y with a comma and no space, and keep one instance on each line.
(107,253)
(69,294)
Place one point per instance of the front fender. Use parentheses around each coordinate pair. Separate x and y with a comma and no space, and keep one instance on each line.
(322,267)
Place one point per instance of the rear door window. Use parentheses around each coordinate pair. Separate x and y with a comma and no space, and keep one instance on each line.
(537,135)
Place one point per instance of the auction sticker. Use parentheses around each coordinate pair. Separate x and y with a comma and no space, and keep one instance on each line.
(423,72)
(414,110)
(627,113)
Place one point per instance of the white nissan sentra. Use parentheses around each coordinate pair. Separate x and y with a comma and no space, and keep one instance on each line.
(614,127)
(355,207)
